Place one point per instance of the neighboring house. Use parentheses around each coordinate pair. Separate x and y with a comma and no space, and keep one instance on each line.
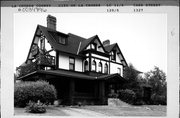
(82,70)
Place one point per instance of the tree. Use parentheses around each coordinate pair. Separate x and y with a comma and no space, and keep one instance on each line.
(131,74)
(157,79)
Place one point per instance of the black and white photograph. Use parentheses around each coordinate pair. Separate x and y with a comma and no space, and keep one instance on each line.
(100,64)
(93,64)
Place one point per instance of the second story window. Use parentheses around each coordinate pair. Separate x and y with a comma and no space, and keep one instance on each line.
(100,67)
(93,65)
(86,67)
(106,68)
(113,55)
(119,71)
(71,63)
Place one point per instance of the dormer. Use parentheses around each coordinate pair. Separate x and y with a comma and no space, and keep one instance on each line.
(62,39)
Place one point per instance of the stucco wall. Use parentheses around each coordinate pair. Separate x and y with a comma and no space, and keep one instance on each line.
(114,68)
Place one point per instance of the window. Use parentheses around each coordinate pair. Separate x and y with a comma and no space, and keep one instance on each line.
(86,66)
(94,65)
(42,44)
(106,68)
(62,40)
(100,67)
(93,46)
(71,63)
(113,55)
(119,71)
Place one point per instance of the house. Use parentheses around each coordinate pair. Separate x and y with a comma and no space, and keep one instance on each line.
(82,70)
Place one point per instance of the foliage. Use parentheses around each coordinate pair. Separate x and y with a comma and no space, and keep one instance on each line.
(113,95)
(33,107)
(158,99)
(131,74)
(157,79)
(127,95)
(34,91)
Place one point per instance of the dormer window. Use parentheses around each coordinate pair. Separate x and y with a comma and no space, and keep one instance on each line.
(62,40)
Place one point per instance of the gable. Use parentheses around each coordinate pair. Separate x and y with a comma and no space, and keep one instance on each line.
(92,41)
(112,47)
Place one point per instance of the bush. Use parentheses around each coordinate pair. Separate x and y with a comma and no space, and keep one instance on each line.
(33,91)
(158,99)
(33,107)
(127,95)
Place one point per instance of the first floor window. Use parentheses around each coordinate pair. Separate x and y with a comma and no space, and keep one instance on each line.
(71,63)
(94,65)
(106,68)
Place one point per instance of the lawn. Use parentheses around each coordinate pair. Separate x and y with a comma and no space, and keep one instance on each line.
(146,110)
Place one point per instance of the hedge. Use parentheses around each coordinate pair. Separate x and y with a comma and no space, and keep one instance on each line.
(33,91)
(127,95)
(158,100)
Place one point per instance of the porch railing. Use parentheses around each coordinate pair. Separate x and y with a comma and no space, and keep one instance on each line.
(41,62)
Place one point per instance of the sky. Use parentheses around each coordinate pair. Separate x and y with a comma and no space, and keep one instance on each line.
(142,38)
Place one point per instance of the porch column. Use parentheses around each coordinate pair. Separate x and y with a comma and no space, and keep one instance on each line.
(71,91)
(102,92)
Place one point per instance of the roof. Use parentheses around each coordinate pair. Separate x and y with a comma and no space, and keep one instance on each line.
(75,44)
(109,48)
(73,40)
(71,74)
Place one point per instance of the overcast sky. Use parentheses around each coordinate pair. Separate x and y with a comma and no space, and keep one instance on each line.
(142,38)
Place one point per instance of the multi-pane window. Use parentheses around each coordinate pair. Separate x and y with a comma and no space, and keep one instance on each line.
(100,67)
(86,67)
(106,68)
(71,63)
(93,65)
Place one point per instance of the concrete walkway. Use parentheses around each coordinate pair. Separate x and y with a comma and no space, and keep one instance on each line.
(81,112)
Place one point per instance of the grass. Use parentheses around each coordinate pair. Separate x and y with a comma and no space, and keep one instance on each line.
(146,110)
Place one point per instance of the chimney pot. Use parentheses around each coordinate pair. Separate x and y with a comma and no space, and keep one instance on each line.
(106,42)
(51,22)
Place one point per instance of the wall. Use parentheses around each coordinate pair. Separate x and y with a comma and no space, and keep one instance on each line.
(114,68)
(64,63)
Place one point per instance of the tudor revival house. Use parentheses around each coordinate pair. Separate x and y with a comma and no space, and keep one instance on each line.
(82,70)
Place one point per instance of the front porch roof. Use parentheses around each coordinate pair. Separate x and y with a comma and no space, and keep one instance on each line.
(73,74)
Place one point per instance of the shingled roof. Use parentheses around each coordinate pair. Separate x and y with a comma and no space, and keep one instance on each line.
(75,43)
(52,37)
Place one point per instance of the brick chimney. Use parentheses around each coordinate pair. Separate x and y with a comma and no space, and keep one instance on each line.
(51,22)
(106,42)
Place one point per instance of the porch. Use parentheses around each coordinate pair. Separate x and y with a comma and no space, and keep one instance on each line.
(77,88)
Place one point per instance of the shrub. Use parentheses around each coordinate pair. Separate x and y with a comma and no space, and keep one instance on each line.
(127,95)
(33,107)
(158,99)
(34,91)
